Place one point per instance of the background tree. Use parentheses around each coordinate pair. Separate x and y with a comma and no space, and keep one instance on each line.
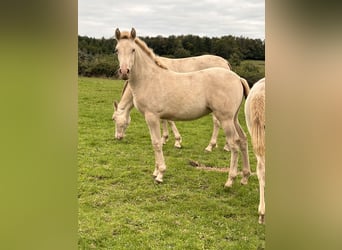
(96,56)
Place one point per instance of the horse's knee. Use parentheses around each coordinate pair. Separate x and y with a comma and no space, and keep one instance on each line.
(243,142)
(233,146)
(157,146)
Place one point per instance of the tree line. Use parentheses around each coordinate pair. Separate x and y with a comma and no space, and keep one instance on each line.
(96,56)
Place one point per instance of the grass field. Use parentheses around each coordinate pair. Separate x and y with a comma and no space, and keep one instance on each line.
(120,205)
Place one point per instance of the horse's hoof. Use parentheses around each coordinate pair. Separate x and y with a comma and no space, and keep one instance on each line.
(244,181)
(177,145)
(208,149)
(159,178)
(226,148)
(261,219)
(228,184)
(158,181)
(155,174)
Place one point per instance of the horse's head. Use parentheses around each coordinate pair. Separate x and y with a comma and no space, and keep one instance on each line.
(121,121)
(125,50)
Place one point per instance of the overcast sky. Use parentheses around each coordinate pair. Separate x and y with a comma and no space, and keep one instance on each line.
(212,18)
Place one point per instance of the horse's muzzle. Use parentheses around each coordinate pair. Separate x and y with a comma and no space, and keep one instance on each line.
(124,76)
(119,137)
(124,73)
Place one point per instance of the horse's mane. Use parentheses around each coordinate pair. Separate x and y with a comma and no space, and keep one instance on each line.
(149,52)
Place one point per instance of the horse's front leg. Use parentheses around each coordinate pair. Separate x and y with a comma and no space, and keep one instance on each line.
(153,123)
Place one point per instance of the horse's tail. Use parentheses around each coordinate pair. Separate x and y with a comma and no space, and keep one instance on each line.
(257,113)
(245,86)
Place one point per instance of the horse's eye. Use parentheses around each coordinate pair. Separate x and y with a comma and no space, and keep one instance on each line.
(115,51)
(133,50)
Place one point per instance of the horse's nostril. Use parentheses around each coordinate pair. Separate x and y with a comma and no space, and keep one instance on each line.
(120,71)
(127,71)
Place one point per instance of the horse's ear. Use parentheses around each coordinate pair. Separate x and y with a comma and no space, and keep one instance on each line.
(117,34)
(133,33)
(115,104)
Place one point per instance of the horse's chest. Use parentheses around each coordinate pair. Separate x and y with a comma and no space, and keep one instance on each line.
(140,106)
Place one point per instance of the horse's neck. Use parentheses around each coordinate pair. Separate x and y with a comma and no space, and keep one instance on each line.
(126,102)
(144,70)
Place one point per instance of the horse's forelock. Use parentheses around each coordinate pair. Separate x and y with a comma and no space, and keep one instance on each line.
(125,35)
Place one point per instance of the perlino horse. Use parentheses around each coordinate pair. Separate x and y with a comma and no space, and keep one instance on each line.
(255,119)
(160,93)
(122,109)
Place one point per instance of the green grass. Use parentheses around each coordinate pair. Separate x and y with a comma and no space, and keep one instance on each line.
(120,205)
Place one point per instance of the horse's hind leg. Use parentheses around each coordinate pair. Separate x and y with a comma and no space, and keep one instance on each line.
(232,139)
(261,178)
(153,123)
(213,140)
(243,144)
(178,138)
(165,131)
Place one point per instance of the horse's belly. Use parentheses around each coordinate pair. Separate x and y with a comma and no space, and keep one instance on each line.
(184,113)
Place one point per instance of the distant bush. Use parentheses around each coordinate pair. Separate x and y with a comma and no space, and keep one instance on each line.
(181,53)
(250,71)
(99,65)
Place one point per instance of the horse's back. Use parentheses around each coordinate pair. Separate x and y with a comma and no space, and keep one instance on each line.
(195,63)
(208,61)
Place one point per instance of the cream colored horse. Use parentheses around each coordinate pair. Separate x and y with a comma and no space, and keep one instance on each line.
(160,93)
(121,116)
(255,119)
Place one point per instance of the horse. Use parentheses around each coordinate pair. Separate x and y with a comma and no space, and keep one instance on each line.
(122,109)
(160,93)
(255,120)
